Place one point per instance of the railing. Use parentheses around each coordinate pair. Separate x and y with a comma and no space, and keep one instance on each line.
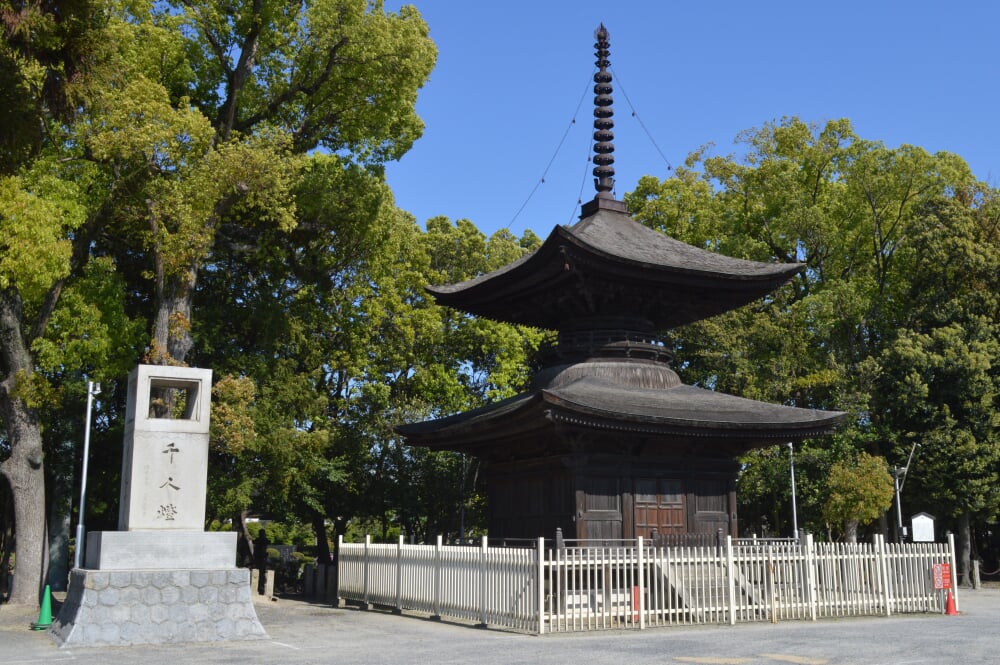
(635,585)
(613,343)
(490,585)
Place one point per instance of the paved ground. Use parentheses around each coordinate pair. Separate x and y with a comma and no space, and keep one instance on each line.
(303,633)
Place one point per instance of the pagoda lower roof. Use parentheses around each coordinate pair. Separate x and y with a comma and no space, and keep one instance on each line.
(607,264)
(699,421)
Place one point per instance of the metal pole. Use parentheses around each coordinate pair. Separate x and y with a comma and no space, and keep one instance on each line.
(461,512)
(906,469)
(896,472)
(795,513)
(92,389)
(899,510)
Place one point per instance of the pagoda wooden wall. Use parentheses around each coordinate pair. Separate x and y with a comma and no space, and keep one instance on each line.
(606,498)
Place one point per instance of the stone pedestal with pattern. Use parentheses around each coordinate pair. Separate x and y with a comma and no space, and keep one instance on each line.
(131,607)
(161,578)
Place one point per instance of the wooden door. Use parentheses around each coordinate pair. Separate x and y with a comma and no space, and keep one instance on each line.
(658,504)
(711,507)
(599,512)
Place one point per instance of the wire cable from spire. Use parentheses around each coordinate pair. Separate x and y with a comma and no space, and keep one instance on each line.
(555,154)
(635,114)
(583,184)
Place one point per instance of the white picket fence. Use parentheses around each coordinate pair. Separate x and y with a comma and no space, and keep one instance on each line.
(539,590)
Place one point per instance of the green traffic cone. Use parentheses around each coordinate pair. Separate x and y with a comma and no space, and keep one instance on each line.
(45,612)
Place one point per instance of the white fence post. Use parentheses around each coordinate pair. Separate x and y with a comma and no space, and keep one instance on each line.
(883,569)
(399,576)
(437,579)
(641,600)
(482,584)
(954,570)
(772,590)
(368,542)
(811,592)
(340,552)
(540,581)
(731,576)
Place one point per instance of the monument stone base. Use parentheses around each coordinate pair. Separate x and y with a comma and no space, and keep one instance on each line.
(157,587)
(130,607)
(169,550)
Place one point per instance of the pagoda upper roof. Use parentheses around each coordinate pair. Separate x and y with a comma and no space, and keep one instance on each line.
(678,418)
(607,264)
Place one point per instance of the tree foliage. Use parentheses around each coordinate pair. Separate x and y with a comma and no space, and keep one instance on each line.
(893,319)
(859,491)
(202,182)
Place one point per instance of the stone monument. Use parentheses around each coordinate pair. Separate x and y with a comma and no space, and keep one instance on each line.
(161,577)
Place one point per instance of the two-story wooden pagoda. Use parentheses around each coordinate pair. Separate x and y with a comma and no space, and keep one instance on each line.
(608,443)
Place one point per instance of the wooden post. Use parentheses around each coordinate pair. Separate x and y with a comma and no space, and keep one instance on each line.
(811,574)
(954,567)
(437,580)
(399,576)
(772,591)
(482,584)
(731,573)
(641,600)
(340,548)
(368,542)
(308,580)
(883,569)
(540,581)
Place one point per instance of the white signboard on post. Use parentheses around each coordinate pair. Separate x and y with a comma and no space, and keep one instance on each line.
(923,528)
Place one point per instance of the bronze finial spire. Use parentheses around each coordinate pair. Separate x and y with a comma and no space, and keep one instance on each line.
(604,146)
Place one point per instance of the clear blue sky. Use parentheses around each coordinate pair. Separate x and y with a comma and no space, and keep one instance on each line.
(510,76)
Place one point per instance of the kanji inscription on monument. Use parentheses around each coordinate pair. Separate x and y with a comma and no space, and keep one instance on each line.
(165,462)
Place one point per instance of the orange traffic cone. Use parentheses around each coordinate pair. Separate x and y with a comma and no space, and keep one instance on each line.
(949,606)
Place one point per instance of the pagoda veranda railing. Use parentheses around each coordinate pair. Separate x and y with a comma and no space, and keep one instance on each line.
(608,343)
(540,589)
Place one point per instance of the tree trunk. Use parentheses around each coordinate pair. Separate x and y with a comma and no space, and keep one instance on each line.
(322,544)
(965,550)
(850,531)
(172,326)
(244,541)
(24,469)
(339,530)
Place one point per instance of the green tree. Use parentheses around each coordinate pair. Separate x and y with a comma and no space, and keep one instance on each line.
(846,208)
(299,313)
(330,321)
(188,117)
(940,374)
(34,263)
(858,491)
(261,82)
(46,213)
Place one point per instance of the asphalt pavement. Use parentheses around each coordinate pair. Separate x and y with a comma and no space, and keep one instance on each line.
(301,632)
